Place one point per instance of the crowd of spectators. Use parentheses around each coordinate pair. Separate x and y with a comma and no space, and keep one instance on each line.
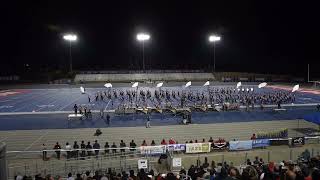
(252,170)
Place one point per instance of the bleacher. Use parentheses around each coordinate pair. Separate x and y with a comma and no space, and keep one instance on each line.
(143,77)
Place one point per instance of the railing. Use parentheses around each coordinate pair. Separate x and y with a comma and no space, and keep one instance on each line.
(30,163)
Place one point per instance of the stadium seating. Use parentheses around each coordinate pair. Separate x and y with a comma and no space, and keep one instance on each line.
(144,77)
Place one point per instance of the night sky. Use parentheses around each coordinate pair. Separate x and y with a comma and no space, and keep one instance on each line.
(257,36)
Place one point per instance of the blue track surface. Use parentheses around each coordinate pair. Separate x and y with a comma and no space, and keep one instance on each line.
(41,100)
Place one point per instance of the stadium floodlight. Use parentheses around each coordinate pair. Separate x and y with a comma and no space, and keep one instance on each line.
(213,39)
(135,84)
(207,83)
(108,85)
(159,84)
(71,38)
(82,90)
(261,85)
(238,84)
(188,84)
(295,88)
(142,37)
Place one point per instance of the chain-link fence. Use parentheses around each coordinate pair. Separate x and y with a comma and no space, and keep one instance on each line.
(31,163)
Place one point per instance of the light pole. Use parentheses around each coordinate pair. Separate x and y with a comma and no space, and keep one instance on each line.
(142,37)
(213,39)
(71,38)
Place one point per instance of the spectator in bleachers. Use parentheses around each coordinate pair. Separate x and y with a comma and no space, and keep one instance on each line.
(249,162)
(153,143)
(133,145)
(315,174)
(106,148)
(75,150)
(70,177)
(203,140)
(68,149)
(205,164)
(83,149)
(96,146)
(163,142)
(232,174)
(57,147)
(114,146)
(256,161)
(131,175)
(89,149)
(122,146)
(78,177)
(250,173)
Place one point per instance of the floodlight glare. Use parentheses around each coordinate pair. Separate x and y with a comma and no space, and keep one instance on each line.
(143,37)
(214,38)
(70,37)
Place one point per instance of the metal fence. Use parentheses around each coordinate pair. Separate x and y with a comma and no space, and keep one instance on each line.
(30,163)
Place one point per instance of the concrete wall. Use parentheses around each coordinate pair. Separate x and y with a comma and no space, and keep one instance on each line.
(144,77)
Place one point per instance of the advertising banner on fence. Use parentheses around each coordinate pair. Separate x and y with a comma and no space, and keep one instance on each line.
(260,143)
(240,145)
(176,147)
(220,145)
(151,150)
(198,147)
(297,141)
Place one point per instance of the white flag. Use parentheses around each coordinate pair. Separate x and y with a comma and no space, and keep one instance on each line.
(160,84)
(238,84)
(261,85)
(295,88)
(207,83)
(135,84)
(82,90)
(188,84)
(108,85)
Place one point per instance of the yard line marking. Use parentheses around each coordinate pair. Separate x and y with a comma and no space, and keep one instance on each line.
(70,103)
(107,105)
(37,140)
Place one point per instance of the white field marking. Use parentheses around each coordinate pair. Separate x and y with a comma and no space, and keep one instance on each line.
(37,140)
(107,105)
(28,104)
(5,107)
(4,139)
(69,103)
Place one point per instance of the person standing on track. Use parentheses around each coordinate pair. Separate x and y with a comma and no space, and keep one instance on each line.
(75,107)
(148,122)
(44,152)
(57,147)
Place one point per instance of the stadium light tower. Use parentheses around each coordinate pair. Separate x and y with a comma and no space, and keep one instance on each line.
(142,37)
(213,39)
(71,38)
